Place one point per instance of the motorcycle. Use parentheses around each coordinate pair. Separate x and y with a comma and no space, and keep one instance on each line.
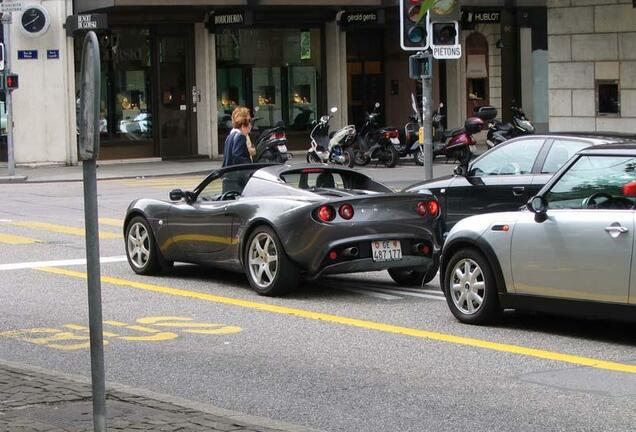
(271,144)
(374,142)
(457,144)
(409,139)
(499,132)
(331,147)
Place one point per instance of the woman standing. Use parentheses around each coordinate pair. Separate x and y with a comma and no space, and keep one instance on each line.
(236,150)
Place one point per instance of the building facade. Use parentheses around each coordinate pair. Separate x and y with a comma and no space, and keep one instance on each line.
(592,65)
(172,71)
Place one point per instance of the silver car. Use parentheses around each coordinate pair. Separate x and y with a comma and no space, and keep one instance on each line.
(570,252)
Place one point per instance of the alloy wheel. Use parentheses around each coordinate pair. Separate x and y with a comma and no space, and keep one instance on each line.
(263,260)
(138,243)
(467,286)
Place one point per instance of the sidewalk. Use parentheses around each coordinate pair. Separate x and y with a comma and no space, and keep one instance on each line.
(36,400)
(116,170)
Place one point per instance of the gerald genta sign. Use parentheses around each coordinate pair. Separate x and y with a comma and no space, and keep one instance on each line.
(361,19)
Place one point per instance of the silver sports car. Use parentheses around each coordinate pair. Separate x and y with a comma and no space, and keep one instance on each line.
(277,223)
(571,252)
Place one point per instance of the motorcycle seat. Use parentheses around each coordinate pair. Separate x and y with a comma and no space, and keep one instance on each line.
(505,127)
(454,132)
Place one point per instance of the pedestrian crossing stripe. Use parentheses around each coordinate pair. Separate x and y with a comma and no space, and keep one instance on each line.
(16,240)
(63,229)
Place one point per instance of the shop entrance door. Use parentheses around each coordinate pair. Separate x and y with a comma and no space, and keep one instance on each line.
(176,105)
(366,87)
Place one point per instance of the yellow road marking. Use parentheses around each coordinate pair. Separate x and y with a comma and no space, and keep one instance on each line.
(111,222)
(63,229)
(188,326)
(87,330)
(16,240)
(370,325)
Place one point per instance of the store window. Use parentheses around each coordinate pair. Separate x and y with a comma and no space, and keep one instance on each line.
(276,71)
(126,100)
(607,98)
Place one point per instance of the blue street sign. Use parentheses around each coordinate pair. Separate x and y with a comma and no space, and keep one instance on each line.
(53,54)
(27,54)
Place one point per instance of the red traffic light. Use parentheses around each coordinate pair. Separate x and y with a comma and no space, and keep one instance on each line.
(12,81)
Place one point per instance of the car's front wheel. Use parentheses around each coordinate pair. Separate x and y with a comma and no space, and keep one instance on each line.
(470,288)
(141,248)
(269,270)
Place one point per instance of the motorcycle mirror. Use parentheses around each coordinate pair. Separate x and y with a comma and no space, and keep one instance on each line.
(441,104)
(377,105)
(334,110)
(460,170)
(257,109)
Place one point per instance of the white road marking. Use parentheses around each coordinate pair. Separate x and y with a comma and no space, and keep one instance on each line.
(435,292)
(369,293)
(60,263)
(406,293)
(5,220)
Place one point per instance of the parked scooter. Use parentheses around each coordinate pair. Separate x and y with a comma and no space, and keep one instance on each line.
(499,132)
(271,144)
(376,143)
(331,148)
(457,144)
(409,139)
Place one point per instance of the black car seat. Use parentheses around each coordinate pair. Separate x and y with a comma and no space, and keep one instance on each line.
(325,180)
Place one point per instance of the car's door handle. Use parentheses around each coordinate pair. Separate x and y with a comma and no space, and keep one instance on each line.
(518,190)
(616,229)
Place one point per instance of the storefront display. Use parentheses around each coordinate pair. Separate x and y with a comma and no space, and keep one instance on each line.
(276,70)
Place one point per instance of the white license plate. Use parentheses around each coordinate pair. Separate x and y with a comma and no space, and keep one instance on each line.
(395,141)
(473,149)
(282,148)
(386,250)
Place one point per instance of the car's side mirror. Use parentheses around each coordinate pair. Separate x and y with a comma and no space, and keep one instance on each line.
(177,195)
(539,206)
(461,170)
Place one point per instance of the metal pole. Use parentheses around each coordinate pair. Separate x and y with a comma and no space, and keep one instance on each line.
(6,28)
(89,150)
(94,295)
(427,124)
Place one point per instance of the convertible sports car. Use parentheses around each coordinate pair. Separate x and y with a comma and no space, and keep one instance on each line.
(277,223)
(571,252)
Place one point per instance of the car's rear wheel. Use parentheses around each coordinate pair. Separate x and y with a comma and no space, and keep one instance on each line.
(470,288)
(269,270)
(141,248)
(410,277)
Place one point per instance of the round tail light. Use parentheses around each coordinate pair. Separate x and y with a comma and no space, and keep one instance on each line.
(326,213)
(422,208)
(346,211)
(433,208)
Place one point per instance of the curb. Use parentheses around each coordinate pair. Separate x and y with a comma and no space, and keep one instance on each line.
(174,400)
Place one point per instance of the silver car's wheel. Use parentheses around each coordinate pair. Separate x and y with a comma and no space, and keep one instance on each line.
(263,260)
(467,286)
(471,288)
(138,245)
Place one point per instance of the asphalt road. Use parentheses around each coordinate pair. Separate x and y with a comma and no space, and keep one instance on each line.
(348,353)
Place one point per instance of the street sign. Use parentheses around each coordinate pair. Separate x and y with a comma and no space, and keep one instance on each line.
(8,6)
(27,54)
(447,52)
(85,22)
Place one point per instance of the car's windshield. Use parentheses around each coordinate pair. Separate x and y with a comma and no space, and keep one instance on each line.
(231,181)
(594,182)
(511,159)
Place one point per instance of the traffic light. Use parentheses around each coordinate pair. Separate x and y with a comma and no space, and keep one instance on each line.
(414,25)
(11,81)
(444,29)
(445,33)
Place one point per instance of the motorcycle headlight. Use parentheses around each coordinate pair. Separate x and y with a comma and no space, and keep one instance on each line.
(526,125)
